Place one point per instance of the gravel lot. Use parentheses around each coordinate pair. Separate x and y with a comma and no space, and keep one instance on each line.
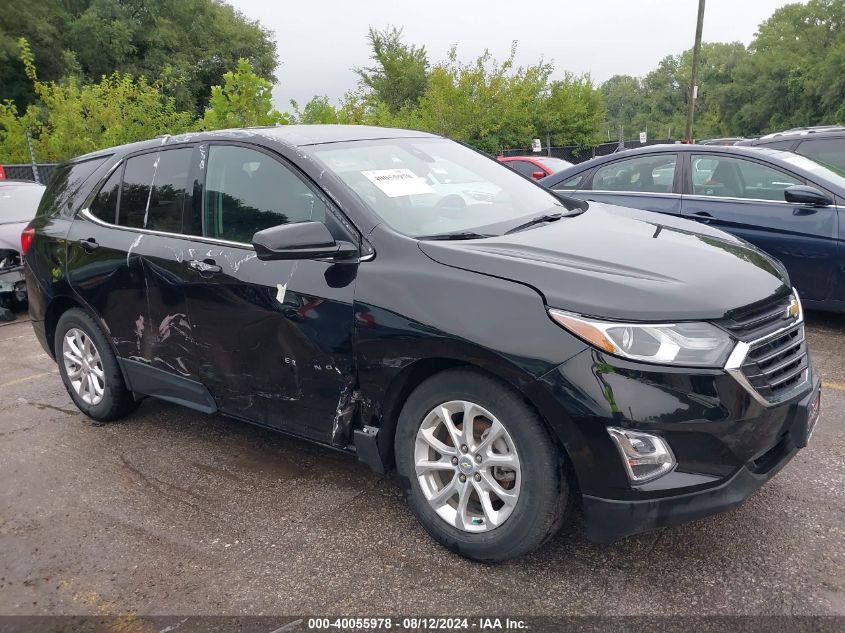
(176,512)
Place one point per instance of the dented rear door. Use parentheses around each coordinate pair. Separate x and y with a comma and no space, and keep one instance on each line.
(274,338)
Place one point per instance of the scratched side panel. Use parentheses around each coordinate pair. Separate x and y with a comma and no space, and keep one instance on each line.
(275,338)
(110,280)
(165,336)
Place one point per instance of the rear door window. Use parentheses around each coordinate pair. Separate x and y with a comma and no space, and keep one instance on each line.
(153,192)
(651,174)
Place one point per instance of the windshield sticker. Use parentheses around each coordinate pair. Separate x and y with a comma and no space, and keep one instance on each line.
(397,182)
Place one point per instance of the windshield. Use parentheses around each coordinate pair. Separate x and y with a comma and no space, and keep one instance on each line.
(555,164)
(19,203)
(431,186)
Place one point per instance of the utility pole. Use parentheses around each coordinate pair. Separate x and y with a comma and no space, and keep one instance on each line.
(696,52)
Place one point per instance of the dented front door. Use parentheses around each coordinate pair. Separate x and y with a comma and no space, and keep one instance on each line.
(275,337)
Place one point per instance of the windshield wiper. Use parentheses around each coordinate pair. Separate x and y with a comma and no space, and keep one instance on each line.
(540,219)
(457,235)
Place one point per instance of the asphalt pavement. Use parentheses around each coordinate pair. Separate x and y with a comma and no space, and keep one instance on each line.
(177,512)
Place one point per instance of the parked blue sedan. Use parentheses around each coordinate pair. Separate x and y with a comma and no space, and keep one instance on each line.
(786,204)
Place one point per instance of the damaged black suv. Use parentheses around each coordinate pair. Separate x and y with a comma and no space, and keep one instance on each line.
(402,297)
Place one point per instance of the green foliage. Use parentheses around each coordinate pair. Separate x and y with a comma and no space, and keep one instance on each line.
(244,100)
(187,45)
(317,110)
(486,103)
(72,117)
(790,75)
(400,74)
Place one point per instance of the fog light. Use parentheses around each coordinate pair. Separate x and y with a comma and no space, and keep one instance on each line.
(646,456)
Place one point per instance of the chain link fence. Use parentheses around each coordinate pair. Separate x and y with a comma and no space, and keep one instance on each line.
(25,172)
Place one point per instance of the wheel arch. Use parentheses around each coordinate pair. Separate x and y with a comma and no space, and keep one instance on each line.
(414,374)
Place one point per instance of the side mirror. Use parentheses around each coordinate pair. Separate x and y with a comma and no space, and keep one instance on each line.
(302,240)
(802,194)
(538,174)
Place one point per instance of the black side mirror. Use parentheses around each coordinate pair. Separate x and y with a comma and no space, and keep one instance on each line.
(302,240)
(802,194)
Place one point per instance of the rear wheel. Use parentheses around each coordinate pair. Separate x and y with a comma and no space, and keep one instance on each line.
(89,368)
(482,474)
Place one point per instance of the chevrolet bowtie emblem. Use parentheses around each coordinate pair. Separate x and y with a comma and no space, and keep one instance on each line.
(793,310)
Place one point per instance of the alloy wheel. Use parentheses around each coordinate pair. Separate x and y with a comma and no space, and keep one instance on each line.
(467,466)
(84,366)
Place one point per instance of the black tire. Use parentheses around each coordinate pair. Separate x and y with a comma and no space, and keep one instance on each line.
(544,492)
(117,400)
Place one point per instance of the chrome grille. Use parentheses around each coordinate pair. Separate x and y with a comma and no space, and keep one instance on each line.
(775,365)
(776,361)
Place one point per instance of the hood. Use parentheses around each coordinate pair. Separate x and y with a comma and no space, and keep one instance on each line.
(620,263)
(10,235)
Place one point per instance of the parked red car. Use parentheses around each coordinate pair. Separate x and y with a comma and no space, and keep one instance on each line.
(535,167)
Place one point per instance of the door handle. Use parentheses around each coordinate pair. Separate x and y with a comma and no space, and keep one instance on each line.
(703,216)
(204,267)
(88,244)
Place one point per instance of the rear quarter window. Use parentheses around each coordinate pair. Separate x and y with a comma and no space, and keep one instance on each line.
(69,186)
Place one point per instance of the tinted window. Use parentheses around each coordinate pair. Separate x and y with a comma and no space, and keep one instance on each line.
(104,205)
(524,167)
(137,181)
(728,177)
(153,194)
(66,185)
(248,191)
(654,174)
(167,198)
(830,152)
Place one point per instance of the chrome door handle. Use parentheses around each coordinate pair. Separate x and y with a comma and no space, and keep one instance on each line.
(88,244)
(207,266)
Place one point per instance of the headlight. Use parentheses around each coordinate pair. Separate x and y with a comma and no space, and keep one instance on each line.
(687,344)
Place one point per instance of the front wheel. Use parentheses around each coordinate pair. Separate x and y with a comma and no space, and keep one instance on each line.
(482,473)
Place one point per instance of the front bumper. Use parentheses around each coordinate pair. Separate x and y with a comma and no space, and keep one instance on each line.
(608,520)
(726,443)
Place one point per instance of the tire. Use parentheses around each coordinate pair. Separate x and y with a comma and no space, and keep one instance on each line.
(539,483)
(115,401)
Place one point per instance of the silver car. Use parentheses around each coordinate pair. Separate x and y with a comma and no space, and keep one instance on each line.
(18,202)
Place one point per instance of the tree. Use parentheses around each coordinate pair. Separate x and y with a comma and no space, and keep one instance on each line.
(317,110)
(624,100)
(486,103)
(244,100)
(186,45)
(571,112)
(72,117)
(794,73)
(400,74)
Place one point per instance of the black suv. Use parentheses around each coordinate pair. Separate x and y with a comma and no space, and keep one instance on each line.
(402,297)
(823,144)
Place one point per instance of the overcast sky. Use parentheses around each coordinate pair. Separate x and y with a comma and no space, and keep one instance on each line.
(320,42)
